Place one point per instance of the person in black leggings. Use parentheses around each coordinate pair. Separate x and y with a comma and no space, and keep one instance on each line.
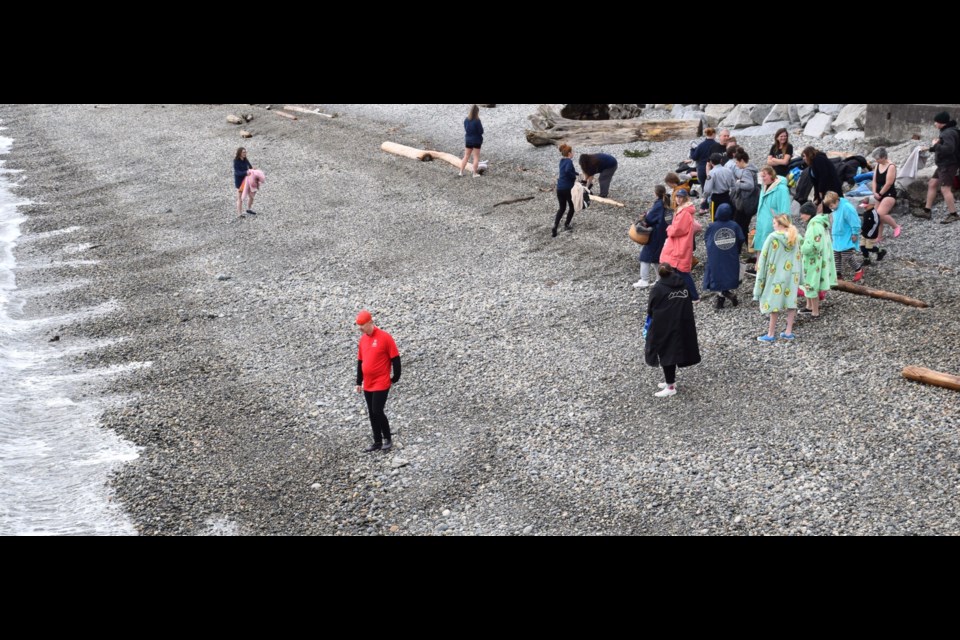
(376,355)
(568,176)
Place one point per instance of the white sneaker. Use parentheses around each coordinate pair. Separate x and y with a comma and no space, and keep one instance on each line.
(662,385)
(641,284)
(476,175)
(666,392)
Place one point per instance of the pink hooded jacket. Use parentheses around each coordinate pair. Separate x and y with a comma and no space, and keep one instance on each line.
(255,178)
(678,250)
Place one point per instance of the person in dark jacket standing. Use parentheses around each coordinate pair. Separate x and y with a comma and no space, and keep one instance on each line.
(701,154)
(658,219)
(472,140)
(724,239)
(240,167)
(598,163)
(946,149)
(823,175)
(672,334)
(375,356)
(568,176)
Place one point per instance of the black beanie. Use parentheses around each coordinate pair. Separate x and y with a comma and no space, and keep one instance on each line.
(943,117)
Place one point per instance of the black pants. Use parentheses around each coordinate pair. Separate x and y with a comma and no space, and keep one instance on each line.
(743,219)
(669,373)
(376,400)
(566,201)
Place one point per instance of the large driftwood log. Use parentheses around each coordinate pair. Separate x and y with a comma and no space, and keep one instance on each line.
(406,152)
(929,376)
(426,155)
(849,287)
(286,115)
(550,128)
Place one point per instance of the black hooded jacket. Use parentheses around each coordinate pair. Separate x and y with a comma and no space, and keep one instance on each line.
(672,337)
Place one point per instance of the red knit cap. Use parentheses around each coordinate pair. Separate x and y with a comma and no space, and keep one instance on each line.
(364,317)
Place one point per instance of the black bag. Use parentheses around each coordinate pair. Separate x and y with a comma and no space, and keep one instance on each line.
(746,203)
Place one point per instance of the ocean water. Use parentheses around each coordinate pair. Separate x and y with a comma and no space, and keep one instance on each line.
(55,460)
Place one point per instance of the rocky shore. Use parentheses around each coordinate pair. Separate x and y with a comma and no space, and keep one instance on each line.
(525,406)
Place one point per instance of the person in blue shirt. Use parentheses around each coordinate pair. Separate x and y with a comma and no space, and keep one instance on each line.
(599,163)
(472,140)
(240,167)
(568,176)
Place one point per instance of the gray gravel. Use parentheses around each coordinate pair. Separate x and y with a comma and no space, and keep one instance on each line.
(525,406)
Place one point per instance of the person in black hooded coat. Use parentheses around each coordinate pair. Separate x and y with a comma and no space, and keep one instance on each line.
(823,175)
(672,333)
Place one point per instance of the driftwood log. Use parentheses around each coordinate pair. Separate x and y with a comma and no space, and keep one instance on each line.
(550,128)
(849,287)
(315,112)
(286,115)
(513,200)
(929,376)
(426,155)
(406,152)
(613,203)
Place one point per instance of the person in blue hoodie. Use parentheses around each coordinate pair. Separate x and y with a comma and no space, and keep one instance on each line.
(701,154)
(724,239)
(846,234)
(473,140)
(603,164)
(565,182)
(658,219)
(240,167)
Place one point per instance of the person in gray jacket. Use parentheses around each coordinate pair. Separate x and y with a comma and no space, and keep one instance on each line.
(720,181)
(745,193)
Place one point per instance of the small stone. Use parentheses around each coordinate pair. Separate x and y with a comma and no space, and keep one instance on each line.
(527,529)
(222,276)
(315,485)
(446,512)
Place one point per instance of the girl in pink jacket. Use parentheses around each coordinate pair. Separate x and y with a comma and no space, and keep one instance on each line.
(678,250)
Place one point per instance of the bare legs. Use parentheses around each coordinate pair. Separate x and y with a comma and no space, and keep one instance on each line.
(883,210)
(476,160)
(772,327)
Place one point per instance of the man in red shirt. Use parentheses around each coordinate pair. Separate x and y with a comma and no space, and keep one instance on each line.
(375,356)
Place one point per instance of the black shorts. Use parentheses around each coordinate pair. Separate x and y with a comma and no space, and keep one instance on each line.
(472,146)
(946,174)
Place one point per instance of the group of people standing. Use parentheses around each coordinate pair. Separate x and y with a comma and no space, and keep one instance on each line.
(789,265)
(793,270)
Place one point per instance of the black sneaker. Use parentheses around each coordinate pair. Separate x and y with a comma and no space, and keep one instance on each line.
(866,260)
(387,445)
(880,254)
(376,446)
(733,299)
(568,227)
(251,212)
(719,302)
(553,232)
